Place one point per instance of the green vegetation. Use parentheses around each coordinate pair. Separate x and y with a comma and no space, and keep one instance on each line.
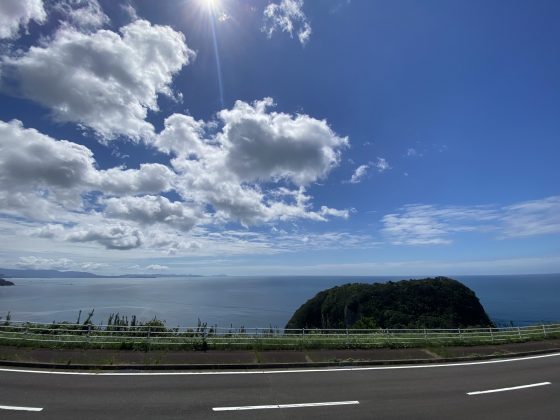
(429,303)
(124,334)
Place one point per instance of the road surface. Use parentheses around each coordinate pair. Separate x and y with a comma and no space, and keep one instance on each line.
(524,388)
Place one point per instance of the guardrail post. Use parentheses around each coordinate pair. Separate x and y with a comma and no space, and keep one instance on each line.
(460,335)
(148,340)
(491,334)
(544,330)
(519,332)
(425,335)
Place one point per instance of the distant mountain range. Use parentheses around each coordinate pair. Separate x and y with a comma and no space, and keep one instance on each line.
(29,273)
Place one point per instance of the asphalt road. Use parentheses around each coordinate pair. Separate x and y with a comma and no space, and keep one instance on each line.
(428,392)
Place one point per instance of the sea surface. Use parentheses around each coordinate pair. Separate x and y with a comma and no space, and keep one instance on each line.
(247,301)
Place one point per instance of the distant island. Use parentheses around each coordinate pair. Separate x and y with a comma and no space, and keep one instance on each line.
(5,282)
(59,274)
(438,302)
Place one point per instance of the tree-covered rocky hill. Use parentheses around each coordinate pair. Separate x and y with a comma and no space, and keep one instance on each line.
(5,282)
(438,302)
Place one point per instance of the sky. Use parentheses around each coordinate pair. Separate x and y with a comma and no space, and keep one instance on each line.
(280,137)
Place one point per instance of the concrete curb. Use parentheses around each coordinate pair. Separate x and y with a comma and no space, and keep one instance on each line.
(257,366)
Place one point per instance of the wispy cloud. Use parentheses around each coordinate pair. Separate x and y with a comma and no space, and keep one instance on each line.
(287,16)
(157,267)
(359,174)
(537,217)
(412,152)
(382,165)
(43,263)
(436,225)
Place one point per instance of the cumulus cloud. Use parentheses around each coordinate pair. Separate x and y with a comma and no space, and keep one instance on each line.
(150,178)
(106,81)
(36,168)
(253,146)
(359,174)
(151,209)
(436,225)
(42,175)
(263,145)
(58,181)
(86,15)
(287,16)
(117,236)
(16,14)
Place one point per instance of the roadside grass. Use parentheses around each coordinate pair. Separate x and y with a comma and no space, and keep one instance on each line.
(120,333)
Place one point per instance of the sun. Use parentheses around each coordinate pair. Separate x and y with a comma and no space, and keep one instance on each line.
(210,5)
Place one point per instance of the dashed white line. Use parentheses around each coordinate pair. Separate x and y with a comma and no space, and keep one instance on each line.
(16,408)
(267,407)
(513,388)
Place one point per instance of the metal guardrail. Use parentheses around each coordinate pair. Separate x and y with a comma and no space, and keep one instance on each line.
(153,336)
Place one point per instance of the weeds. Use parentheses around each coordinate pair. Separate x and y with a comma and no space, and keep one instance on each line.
(124,333)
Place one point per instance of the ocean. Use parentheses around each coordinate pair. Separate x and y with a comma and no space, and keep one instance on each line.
(247,301)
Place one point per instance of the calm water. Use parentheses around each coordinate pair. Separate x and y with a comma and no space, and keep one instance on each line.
(247,301)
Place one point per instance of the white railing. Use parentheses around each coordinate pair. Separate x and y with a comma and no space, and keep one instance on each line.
(202,336)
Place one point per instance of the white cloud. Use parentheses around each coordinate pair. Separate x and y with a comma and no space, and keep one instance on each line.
(149,178)
(537,217)
(436,225)
(44,178)
(157,267)
(223,17)
(105,81)
(253,146)
(130,11)
(287,16)
(151,209)
(116,236)
(38,173)
(85,15)
(359,174)
(262,145)
(16,14)
(433,225)
(182,136)
(57,181)
(382,165)
(44,263)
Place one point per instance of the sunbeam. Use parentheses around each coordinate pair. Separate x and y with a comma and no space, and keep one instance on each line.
(217,57)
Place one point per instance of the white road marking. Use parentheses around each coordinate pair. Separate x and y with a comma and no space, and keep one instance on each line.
(281,371)
(265,407)
(16,408)
(508,389)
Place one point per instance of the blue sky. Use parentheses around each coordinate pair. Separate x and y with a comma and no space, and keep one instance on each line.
(280,136)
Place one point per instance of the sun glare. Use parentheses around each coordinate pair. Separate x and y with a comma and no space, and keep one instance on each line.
(210,5)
